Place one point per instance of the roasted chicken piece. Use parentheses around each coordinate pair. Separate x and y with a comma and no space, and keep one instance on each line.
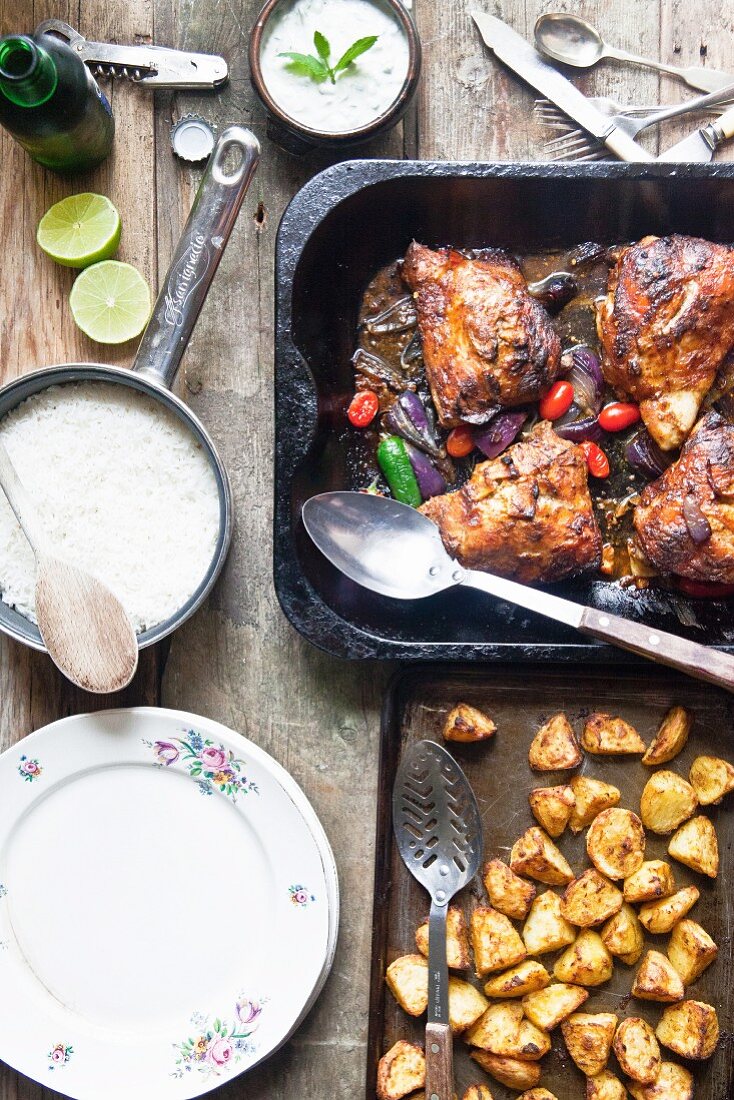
(486,342)
(666,326)
(685,519)
(525,515)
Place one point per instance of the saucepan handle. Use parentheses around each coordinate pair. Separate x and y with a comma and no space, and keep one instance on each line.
(696,660)
(197,255)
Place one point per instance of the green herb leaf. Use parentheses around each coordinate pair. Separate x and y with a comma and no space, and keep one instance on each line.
(355,50)
(307,65)
(323,49)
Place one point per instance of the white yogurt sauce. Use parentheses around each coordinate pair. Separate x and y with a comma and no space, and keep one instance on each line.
(362,92)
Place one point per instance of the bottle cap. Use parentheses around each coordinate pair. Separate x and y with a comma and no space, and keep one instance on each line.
(192,138)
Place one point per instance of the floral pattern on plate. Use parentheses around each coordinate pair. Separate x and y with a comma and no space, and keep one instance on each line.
(29,769)
(59,1055)
(3,890)
(214,766)
(219,1044)
(300,896)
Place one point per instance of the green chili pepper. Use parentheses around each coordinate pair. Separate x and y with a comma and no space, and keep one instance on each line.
(398,470)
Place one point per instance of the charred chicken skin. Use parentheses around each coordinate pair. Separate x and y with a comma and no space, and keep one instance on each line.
(486,342)
(666,326)
(526,515)
(685,519)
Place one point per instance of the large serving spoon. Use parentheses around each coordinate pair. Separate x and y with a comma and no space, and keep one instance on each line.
(572,41)
(85,628)
(394,550)
(438,831)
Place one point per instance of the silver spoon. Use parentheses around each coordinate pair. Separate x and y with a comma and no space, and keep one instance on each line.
(573,41)
(438,831)
(392,549)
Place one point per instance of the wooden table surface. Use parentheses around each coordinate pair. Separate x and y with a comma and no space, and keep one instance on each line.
(238,660)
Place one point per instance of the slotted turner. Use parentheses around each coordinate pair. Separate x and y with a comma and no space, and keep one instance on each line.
(439,835)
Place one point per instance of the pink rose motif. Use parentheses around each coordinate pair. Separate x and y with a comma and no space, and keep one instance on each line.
(220,1052)
(58,1055)
(31,767)
(300,897)
(213,759)
(166,752)
(248,1011)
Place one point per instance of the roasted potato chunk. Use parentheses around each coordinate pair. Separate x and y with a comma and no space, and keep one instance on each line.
(528,977)
(661,916)
(507,892)
(586,962)
(605,735)
(466,723)
(512,1072)
(658,980)
(538,1094)
(457,939)
(623,936)
(477,1092)
(670,739)
(691,950)
(495,941)
(654,880)
(498,1029)
(548,1007)
(536,856)
(588,1038)
(407,980)
(401,1071)
(590,900)
(551,807)
(690,1029)
(711,778)
(637,1050)
(696,846)
(555,747)
(616,843)
(592,796)
(674,1082)
(546,929)
(667,801)
(605,1086)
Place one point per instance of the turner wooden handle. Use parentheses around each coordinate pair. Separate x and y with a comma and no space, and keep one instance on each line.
(439,1062)
(696,660)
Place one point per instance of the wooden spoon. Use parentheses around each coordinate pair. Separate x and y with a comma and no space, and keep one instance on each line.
(85,628)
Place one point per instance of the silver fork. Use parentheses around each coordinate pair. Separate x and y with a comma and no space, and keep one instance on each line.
(576,144)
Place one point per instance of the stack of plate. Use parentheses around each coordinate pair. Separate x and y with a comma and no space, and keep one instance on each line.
(168,905)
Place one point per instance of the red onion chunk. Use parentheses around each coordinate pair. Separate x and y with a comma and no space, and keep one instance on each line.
(579,431)
(583,371)
(430,482)
(499,434)
(645,457)
(698,526)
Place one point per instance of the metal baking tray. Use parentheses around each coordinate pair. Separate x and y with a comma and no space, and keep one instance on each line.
(416,706)
(338,231)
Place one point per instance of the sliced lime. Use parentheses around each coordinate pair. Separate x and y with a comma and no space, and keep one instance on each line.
(80,230)
(110,302)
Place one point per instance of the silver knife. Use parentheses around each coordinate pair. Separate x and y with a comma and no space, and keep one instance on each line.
(700,146)
(511,48)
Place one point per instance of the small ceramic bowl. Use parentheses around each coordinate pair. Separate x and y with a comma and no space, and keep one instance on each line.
(293,136)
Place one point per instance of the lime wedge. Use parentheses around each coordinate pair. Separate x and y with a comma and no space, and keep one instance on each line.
(80,230)
(110,302)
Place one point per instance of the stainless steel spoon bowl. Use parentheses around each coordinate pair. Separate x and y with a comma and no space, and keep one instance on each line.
(394,550)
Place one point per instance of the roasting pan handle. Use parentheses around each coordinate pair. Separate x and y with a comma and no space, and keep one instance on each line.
(701,662)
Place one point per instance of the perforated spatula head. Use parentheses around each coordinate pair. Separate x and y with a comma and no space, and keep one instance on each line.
(436,820)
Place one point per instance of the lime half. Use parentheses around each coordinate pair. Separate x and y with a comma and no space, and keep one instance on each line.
(80,230)
(110,302)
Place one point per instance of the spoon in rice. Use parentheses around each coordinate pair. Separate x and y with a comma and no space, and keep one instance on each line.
(85,628)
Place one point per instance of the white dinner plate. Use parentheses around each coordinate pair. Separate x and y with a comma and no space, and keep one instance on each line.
(168,905)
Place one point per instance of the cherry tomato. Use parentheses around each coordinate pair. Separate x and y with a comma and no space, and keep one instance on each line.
(557,401)
(460,442)
(363,408)
(596,460)
(618,416)
(702,591)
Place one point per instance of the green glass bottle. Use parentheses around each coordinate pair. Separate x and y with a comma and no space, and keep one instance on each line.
(52,105)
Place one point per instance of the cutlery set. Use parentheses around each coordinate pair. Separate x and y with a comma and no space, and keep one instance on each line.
(595,127)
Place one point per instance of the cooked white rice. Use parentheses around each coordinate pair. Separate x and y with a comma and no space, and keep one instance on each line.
(124,491)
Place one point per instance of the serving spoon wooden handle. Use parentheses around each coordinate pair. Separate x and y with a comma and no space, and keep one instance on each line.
(85,628)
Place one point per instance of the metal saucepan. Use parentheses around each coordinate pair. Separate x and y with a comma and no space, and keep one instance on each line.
(197,256)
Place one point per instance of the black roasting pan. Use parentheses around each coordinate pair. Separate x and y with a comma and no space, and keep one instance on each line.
(338,231)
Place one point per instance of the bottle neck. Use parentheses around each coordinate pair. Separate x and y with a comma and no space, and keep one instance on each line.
(28,75)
